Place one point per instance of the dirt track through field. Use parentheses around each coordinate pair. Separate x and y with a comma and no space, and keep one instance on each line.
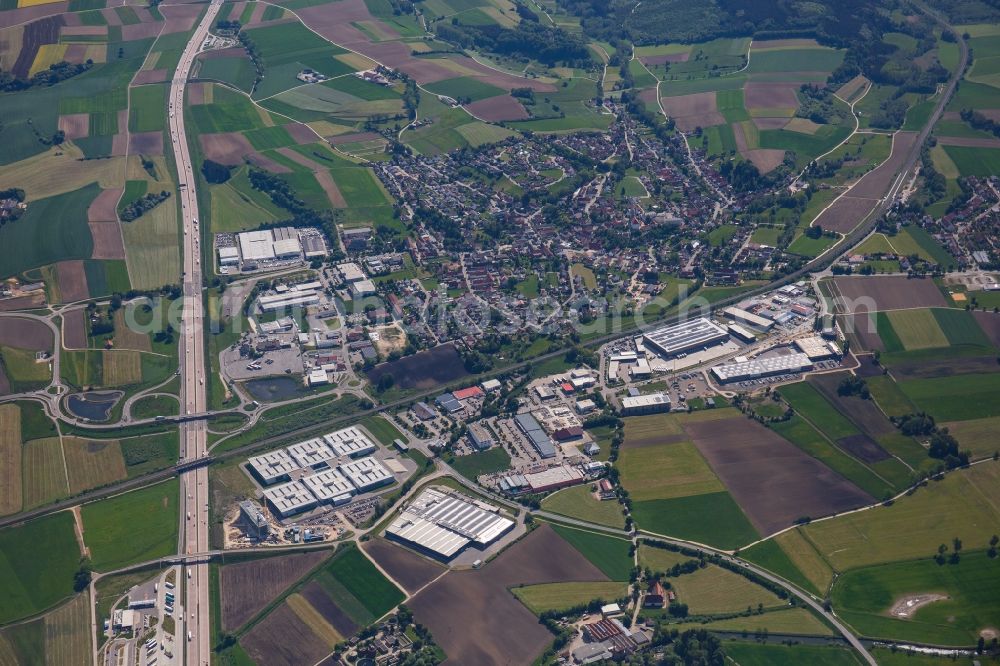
(475,618)
(405,567)
(773,481)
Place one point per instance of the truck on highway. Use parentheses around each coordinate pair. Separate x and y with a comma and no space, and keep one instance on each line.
(190,636)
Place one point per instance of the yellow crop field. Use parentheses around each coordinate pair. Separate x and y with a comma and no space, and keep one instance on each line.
(10,459)
(666,471)
(715,590)
(660,559)
(34,3)
(93,463)
(48,55)
(48,174)
(312,619)
(122,367)
(44,472)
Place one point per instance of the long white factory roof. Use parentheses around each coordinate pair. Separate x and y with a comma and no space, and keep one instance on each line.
(350,442)
(290,497)
(645,400)
(686,335)
(444,523)
(311,452)
(426,534)
(273,464)
(759,367)
(329,485)
(365,473)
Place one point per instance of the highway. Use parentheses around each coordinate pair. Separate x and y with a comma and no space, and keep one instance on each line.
(193,625)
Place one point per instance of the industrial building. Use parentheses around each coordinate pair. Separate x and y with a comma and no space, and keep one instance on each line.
(289,498)
(256,245)
(311,452)
(741,334)
(329,486)
(480,437)
(645,404)
(541,441)
(818,349)
(350,442)
(291,299)
(362,288)
(366,473)
(442,523)
(254,518)
(686,336)
(351,272)
(762,367)
(553,478)
(229,256)
(273,466)
(750,319)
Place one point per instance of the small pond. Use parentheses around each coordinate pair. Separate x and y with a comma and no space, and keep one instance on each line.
(93,405)
(274,389)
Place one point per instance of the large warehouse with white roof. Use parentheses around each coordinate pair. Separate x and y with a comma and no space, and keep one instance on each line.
(686,336)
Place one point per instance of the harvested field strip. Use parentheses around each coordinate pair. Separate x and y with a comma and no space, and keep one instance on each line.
(126,338)
(10,459)
(67,633)
(579,502)
(44,472)
(92,464)
(563,596)
(405,567)
(979,436)
(715,590)
(282,639)
(644,430)
(804,556)
(352,573)
(961,505)
(790,621)
(248,587)
(917,329)
(121,367)
(660,559)
(887,395)
(312,619)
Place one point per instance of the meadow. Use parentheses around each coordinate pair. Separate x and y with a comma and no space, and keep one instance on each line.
(683,517)
(137,526)
(563,596)
(609,554)
(713,590)
(756,654)
(51,230)
(956,398)
(579,502)
(37,565)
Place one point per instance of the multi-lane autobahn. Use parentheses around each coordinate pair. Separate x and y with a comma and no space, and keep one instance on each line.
(193,623)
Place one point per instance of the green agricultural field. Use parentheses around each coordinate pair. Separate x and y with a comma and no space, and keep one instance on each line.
(266,138)
(37,563)
(795,60)
(865,598)
(495,459)
(382,430)
(714,590)
(137,526)
(579,502)
(563,596)
(50,230)
(757,654)
(228,112)
(963,504)
(148,108)
(978,436)
(962,329)
(771,556)
(916,329)
(665,471)
(787,621)
(237,71)
(355,572)
(607,553)
(982,162)
(153,406)
(813,407)
(465,87)
(888,396)
(956,398)
(684,517)
(660,559)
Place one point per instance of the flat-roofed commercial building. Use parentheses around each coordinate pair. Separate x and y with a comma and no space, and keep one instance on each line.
(289,498)
(541,441)
(311,452)
(366,473)
(748,318)
(818,349)
(290,299)
(762,367)
(350,442)
(686,336)
(443,523)
(741,334)
(329,486)
(645,404)
(351,272)
(273,466)
(287,248)
(256,245)
(553,478)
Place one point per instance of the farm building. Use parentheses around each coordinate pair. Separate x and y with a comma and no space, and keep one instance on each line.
(762,367)
(290,498)
(818,349)
(645,404)
(273,466)
(529,426)
(686,336)
(553,478)
(311,452)
(329,486)
(366,473)
(350,442)
(750,319)
(442,523)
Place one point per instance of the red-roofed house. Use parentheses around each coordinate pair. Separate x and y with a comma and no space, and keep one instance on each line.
(466,393)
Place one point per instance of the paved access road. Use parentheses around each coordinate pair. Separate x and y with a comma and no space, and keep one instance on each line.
(193,623)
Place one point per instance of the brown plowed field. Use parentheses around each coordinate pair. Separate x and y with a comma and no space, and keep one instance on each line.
(104,207)
(333,192)
(37,33)
(196,93)
(74,329)
(302,134)
(765,159)
(258,12)
(264,162)
(770,123)
(225,147)
(237,10)
(247,587)
(119,144)
(845,214)
(501,107)
(474,617)
(990,323)
(405,567)
(772,480)
(863,413)
(301,159)
(141,30)
(111,16)
(70,30)
(151,76)
(72,281)
(945,367)
(861,331)
(863,447)
(875,183)
(894,292)
(25,334)
(145,143)
(866,367)
(969,142)
(180,18)
(696,110)
(282,639)
(4,384)
(771,95)
(331,612)
(25,14)
(22,302)
(108,243)
(75,125)
(664,59)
